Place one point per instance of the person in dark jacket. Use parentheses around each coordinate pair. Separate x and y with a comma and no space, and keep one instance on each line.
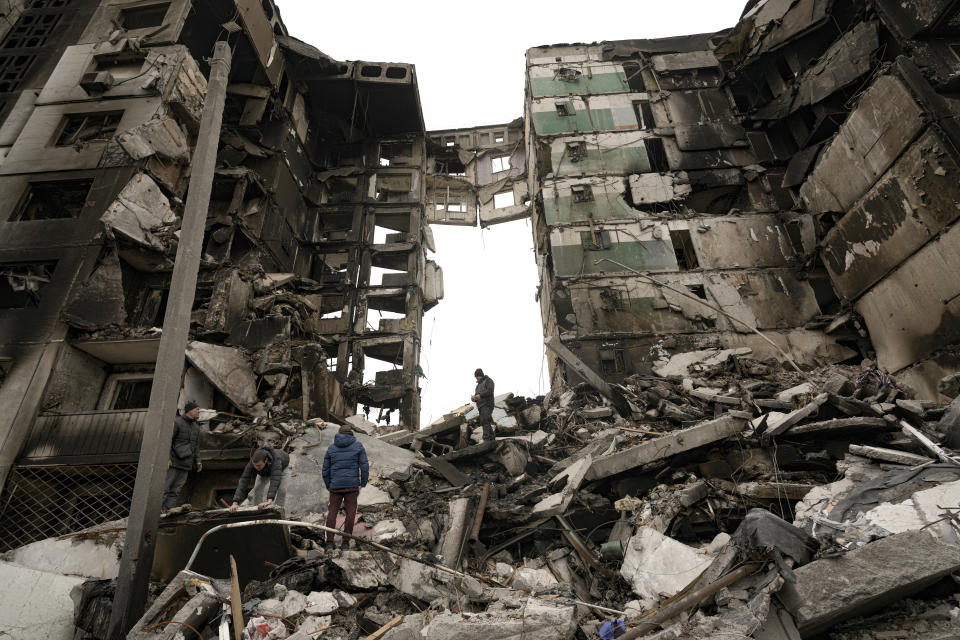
(184,454)
(483,396)
(271,468)
(345,472)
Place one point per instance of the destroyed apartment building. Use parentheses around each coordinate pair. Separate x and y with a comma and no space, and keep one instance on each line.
(746,244)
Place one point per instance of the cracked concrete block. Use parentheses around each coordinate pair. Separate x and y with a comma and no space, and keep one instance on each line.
(656,565)
(831,590)
(321,603)
(360,570)
(161,137)
(534,620)
(228,370)
(21,614)
(139,210)
(387,531)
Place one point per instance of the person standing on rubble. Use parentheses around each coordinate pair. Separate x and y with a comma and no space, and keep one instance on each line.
(184,454)
(271,466)
(345,472)
(483,396)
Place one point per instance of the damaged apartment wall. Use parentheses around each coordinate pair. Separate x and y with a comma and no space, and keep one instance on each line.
(639,165)
(316,250)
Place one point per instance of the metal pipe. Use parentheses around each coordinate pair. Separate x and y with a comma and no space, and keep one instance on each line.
(709,306)
(319,527)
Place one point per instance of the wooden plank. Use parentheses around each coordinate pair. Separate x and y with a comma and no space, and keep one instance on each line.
(379,633)
(236,605)
(863,423)
(448,471)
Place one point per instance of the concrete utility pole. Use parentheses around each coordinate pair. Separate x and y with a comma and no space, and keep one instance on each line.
(141,538)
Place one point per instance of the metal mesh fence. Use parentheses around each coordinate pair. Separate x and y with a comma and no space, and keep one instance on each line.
(41,502)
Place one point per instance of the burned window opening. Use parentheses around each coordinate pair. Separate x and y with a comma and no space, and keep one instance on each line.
(611,358)
(634,73)
(394,152)
(576,151)
(614,300)
(565,109)
(582,193)
(595,240)
(644,113)
(396,73)
(698,290)
(499,164)
(143,17)
(22,283)
(498,138)
(52,200)
(133,393)
(783,69)
(80,128)
(683,249)
(656,155)
(566,74)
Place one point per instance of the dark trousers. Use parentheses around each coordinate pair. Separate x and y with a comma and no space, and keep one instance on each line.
(347,497)
(176,478)
(486,422)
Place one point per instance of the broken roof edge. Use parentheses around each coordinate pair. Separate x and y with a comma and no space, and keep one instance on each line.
(516,123)
(625,48)
(301,48)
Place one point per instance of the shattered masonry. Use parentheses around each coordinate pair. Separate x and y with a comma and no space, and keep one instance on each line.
(746,243)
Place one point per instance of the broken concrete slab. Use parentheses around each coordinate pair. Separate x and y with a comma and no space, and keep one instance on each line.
(36,604)
(139,210)
(387,531)
(679,364)
(321,603)
(94,557)
(661,448)
(227,369)
(360,569)
(573,475)
(889,455)
(784,424)
(656,565)
(534,620)
(924,510)
(867,424)
(830,590)
(306,492)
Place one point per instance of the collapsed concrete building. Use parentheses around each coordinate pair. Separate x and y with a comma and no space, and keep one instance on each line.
(744,240)
(315,249)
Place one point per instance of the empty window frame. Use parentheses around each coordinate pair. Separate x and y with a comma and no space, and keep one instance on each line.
(503,200)
(634,73)
(683,249)
(144,17)
(567,74)
(501,163)
(596,240)
(565,108)
(582,193)
(614,300)
(78,128)
(656,155)
(131,393)
(576,151)
(395,153)
(644,113)
(22,283)
(51,200)
(611,358)
(499,137)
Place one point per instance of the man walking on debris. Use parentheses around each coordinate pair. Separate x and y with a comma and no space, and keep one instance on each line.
(345,472)
(483,396)
(271,468)
(184,454)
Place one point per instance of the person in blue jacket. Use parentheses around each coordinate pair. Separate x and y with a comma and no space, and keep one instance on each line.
(345,472)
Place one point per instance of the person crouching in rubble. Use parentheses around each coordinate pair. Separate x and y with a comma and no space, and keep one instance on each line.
(184,454)
(483,396)
(271,468)
(345,472)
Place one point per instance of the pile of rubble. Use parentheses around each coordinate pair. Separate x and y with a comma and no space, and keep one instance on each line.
(733,496)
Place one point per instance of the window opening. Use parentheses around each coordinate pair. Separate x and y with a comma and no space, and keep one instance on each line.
(656,155)
(644,113)
(21,284)
(78,128)
(132,394)
(501,163)
(595,240)
(582,193)
(698,290)
(567,74)
(611,358)
(576,151)
(143,17)
(683,249)
(565,109)
(52,200)
(503,200)
(634,74)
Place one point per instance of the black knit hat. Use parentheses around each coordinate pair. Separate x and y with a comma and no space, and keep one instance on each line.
(478,373)
(190,406)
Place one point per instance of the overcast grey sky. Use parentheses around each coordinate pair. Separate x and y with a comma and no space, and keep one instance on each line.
(470,65)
